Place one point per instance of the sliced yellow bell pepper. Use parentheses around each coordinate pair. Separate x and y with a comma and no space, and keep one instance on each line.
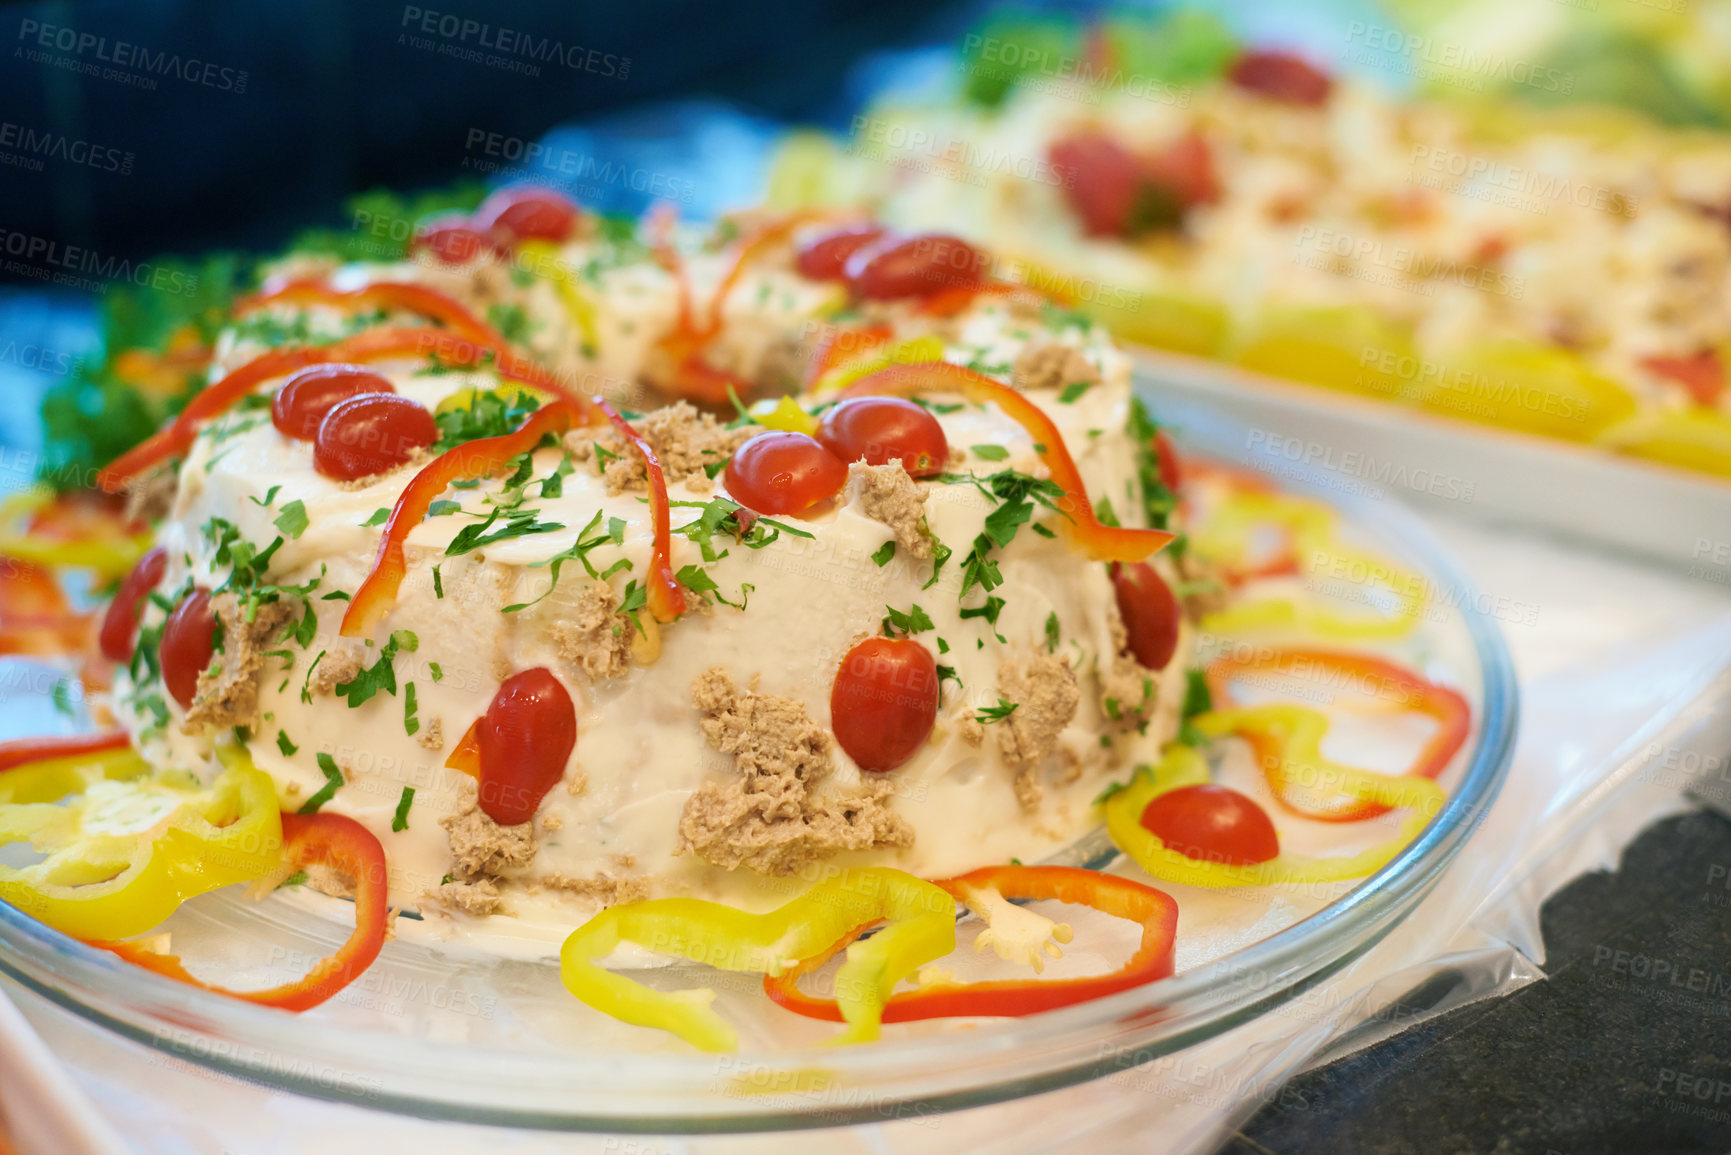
(1532,388)
(922,928)
(1354,350)
(1183,766)
(542,258)
(125,847)
(788,417)
(1314,551)
(1698,439)
(1180,322)
(918,351)
(112,554)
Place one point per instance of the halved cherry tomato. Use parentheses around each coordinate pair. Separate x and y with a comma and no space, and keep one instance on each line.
(525,738)
(451,239)
(824,258)
(527,213)
(1212,823)
(884,702)
(916,267)
(188,643)
(371,433)
(1281,76)
(784,473)
(120,623)
(306,397)
(1101,179)
(880,430)
(1150,613)
(1166,454)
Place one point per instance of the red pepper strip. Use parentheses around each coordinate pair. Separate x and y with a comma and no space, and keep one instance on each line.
(308,839)
(694,377)
(486,456)
(419,299)
(467,754)
(949,302)
(1364,673)
(847,344)
(1106,893)
(1086,532)
(22,751)
(1701,374)
(372,345)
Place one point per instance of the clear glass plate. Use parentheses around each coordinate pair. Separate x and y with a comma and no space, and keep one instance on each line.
(444,1032)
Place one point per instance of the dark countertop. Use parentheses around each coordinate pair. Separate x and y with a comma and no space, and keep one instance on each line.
(1626,1047)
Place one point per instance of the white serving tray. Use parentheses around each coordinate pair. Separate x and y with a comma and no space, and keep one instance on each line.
(1678,519)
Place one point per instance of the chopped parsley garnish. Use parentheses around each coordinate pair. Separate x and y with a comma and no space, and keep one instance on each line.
(723,516)
(1052,632)
(411,723)
(989,611)
(293,519)
(511,321)
(287,747)
(269,496)
(948,674)
(1198,699)
(380,516)
(884,553)
(438,583)
(1158,502)
(437,671)
(381,675)
(333,779)
(1073,391)
(587,540)
(486,415)
(914,621)
(518,523)
(990,452)
(400,820)
(986,715)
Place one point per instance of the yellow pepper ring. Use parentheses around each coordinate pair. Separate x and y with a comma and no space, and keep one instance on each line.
(94,884)
(1182,766)
(921,927)
(110,555)
(1312,525)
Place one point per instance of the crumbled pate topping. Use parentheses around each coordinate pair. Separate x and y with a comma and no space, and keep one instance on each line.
(596,638)
(886,493)
(481,847)
(1127,687)
(227,693)
(1044,690)
(768,818)
(1052,367)
(684,441)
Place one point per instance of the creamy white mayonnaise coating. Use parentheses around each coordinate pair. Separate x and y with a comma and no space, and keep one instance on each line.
(640,752)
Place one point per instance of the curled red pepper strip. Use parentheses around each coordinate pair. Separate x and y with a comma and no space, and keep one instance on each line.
(489,455)
(380,344)
(694,377)
(1086,532)
(23,751)
(1357,674)
(411,298)
(1107,893)
(308,839)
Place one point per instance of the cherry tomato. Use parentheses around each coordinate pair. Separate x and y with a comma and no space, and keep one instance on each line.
(884,702)
(1171,472)
(880,430)
(824,258)
(301,404)
(188,641)
(120,623)
(784,473)
(1212,823)
(1150,613)
(513,215)
(1185,170)
(916,267)
(452,239)
(1101,181)
(1281,76)
(525,738)
(370,433)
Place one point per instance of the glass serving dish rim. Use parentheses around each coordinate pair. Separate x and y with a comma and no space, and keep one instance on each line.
(688,1091)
